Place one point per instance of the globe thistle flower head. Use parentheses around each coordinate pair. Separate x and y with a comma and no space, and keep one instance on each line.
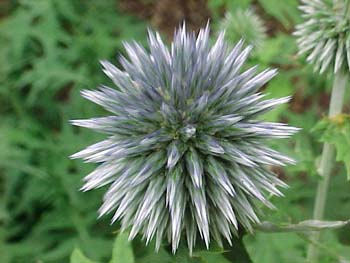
(325,35)
(185,154)
(246,25)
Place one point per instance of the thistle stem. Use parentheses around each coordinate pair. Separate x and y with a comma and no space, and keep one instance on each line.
(327,162)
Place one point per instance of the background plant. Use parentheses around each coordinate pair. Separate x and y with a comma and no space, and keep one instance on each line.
(324,36)
(246,25)
(50,51)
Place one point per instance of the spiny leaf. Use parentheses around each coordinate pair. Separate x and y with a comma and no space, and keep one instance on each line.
(304,226)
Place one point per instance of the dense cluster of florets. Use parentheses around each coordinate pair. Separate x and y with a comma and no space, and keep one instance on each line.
(325,34)
(185,152)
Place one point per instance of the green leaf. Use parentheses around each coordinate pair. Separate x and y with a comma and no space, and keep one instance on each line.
(278,50)
(336,131)
(78,257)
(235,253)
(237,4)
(284,11)
(122,250)
(230,5)
(278,87)
(275,248)
(211,257)
(155,257)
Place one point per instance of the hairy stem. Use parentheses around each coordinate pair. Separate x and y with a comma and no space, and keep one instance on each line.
(326,164)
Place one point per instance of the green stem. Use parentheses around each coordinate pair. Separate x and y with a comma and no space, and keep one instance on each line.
(347,8)
(327,162)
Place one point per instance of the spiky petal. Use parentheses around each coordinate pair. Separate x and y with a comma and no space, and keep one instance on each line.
(185,153)
(324,36)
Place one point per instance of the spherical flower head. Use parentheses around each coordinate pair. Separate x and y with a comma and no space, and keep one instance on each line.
(246,25)
(185,152)
(325,34)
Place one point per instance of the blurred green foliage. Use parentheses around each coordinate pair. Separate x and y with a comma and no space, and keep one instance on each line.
(50,50)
